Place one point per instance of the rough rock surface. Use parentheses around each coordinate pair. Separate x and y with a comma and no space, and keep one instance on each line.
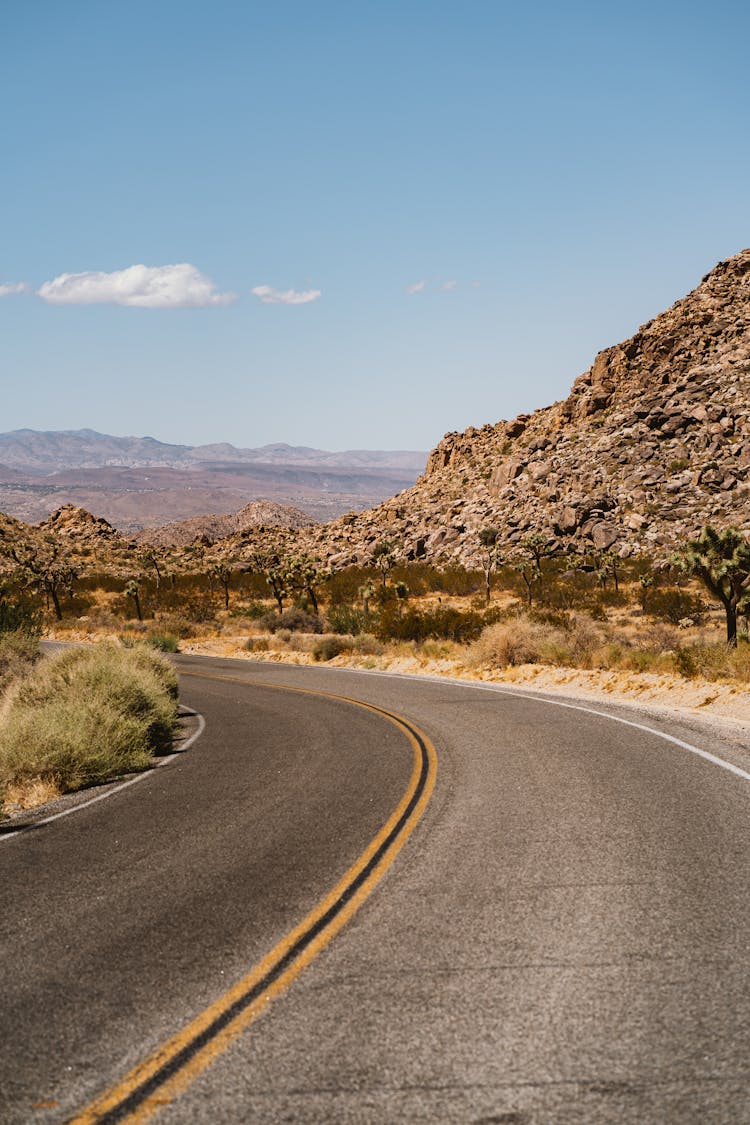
(79,526)
(207,529)
(652,443)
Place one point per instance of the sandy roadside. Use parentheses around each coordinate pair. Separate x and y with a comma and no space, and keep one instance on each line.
(722,706)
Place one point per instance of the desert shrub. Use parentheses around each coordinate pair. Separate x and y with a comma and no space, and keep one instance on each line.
(342,587)
(18,653)
(253,610)
(675,605)
(19,613)
(367,645)
(520,641)
(99,580)
(718,661)
(328,647)
(292,621)
(101,617)
(175,623)
(443,623)
(257,644)
(86,715)
(685,662)
(645,660)
(302,642)
(347,619)
(164,642)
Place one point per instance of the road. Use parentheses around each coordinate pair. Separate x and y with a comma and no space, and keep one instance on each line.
(562,938)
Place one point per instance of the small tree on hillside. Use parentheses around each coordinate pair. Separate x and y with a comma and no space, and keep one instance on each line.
(45,568)
(366,592)
(148,558)
(384,558)
(721,559)
(132,590)
(527,561)
(222,572)
(489,557)
(304,574)
(270,564)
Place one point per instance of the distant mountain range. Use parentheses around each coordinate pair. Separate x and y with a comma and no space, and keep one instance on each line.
(52,451)
(137,482)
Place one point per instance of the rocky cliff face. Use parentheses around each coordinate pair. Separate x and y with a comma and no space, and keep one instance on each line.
(652,443)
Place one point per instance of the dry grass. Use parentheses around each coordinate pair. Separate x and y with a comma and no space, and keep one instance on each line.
(18,654)
(31,793)
(87,715)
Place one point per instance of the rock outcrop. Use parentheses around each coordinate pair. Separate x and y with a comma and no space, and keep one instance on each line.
(258,514)
(652,442)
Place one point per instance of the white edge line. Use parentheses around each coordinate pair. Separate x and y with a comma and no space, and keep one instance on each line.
(117,788)
(538,698)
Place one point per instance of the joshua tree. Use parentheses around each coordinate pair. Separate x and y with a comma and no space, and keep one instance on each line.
(646,581)
(366,592)
(721,559)
(489,557)
(401,590)
(132,591)
(43,567)
(303,574)
(384,558)
(271,566)
(149,560)
(528,562)
(223,575)
(605,567)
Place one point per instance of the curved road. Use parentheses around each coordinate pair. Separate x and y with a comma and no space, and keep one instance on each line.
(564,937)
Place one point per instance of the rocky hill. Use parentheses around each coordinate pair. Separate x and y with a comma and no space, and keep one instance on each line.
(652,442)
(208,529)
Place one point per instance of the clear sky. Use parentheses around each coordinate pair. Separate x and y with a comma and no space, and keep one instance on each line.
(445,209)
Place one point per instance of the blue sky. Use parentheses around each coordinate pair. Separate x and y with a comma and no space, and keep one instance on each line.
(555,174)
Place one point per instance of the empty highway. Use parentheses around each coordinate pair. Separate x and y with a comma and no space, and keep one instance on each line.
(447,905)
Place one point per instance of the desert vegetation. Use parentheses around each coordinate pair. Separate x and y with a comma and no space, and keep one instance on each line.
(79,717)
(682,613)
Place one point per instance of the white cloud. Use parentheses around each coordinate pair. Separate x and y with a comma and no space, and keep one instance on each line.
(270,296)
(179,286)
(11,287)
(448,286)
(417,287)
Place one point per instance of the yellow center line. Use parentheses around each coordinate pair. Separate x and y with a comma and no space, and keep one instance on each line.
(172,1067)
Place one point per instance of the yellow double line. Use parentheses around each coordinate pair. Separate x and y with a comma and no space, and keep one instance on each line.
(162,1077)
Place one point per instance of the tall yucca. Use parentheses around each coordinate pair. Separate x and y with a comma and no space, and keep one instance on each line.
(721,559)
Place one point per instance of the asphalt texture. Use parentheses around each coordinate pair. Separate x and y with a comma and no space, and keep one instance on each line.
(563,939)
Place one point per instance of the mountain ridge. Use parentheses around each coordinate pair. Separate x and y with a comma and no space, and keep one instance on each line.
(57,450)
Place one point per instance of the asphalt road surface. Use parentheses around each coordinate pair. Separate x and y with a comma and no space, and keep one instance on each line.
(563,937)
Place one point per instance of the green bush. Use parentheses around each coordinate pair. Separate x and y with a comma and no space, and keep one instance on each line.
(88,714)
(19,613)
(443,623)
(293,620)
(675,606)
(163,642)
(328,647)
(252,611)
(348,620)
